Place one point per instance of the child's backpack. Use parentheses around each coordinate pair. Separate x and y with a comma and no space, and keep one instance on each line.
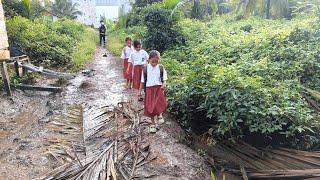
(145,75)
(103,29)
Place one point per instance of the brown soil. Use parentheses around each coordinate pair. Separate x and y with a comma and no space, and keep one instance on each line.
(27,126)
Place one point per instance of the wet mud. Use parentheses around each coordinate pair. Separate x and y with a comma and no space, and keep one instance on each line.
(34,126)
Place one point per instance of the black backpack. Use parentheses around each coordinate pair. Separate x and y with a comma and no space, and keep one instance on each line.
(102,29)
(145,75)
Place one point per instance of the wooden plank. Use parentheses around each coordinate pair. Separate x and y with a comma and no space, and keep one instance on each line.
(5,78)
(39,88)
(4,54)
(16,68)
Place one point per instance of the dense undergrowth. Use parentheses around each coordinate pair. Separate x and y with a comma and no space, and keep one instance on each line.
(245,79)
(63,44)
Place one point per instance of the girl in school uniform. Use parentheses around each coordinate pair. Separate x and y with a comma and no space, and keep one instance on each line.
(153,80)
(126,51)
(137,60)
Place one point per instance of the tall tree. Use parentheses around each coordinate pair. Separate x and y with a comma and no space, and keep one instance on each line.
(197,11)
(268,3)
(12,8)
(65,8)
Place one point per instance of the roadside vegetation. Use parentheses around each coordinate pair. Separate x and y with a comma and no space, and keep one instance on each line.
(238,70)
(62,43)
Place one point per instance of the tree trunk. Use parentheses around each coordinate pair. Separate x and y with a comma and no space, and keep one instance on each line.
(268,9)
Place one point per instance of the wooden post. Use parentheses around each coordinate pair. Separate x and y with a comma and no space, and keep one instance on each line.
(16,68)
(25,70)
(5,78)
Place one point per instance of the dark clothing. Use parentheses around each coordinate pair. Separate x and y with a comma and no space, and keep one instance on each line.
(102,31)
(102,38)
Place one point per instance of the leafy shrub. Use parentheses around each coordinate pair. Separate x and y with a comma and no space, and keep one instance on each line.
(116,38)
(162,32)
(136,16)
(12,8)
(143,3)
(51,44)
(246,85)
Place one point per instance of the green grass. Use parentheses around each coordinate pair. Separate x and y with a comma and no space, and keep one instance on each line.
(85,49)
(115,44)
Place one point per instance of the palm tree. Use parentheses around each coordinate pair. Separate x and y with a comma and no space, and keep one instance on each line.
(276,8)
(65,8)
(27,8)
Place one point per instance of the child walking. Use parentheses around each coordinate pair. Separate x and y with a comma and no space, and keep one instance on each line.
(137,60)
(153,81)
(126,52)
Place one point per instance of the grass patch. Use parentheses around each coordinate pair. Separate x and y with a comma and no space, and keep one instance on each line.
(85,49)
(115,44)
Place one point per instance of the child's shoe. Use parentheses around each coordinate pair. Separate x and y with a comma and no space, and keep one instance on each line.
(153,129)
(160,119)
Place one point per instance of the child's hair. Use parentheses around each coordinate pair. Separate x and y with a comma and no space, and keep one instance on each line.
(136,43)
(128,39)
(154,53)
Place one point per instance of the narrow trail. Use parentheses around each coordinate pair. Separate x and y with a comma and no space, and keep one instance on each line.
(31,130)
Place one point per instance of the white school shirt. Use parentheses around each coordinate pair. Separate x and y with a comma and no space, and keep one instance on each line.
(138,57)
(126,52)
(153,76)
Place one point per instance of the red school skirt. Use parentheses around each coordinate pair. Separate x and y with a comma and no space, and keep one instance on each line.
(125,66)
(125,74)
(136,77)
(155,101)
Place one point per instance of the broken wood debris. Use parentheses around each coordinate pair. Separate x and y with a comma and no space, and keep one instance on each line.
(113,146)
(38,88)
(46,72)
(69,146)
(253,163)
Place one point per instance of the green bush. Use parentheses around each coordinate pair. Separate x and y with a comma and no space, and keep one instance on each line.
(136,16)
(246,84)
(116,39)
(57,44)
(162,32)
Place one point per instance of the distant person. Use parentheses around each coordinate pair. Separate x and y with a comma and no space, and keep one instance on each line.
(137,60)
(153,81)
(102,31)
(126,52)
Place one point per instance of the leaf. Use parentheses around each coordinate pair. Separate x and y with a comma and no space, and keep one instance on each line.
(213,177)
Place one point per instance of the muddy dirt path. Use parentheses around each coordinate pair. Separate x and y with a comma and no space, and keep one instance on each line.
(30,127)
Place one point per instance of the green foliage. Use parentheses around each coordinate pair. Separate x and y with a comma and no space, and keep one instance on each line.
(27,8)
(197,11)
(30,9)
(170,4)
(144,3)
(116,38)
(12,8)
(245,78)
(136,16)
(65,8)
(85,48)
(162,32)
(53,44)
